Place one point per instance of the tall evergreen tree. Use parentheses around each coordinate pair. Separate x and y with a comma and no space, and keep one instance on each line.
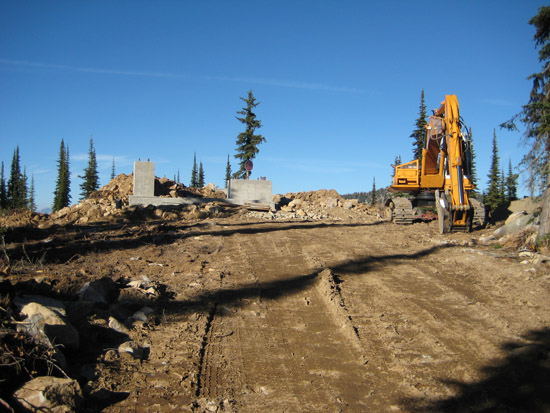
(373,200)
(32,202)
(511,184)
(227,172)
(90,177)
(113,169)
(201,176)
(194,173)
(419,133)
(62,195)
(16,195)
(178,177)
(25,187)
(535,115)
(502,186)
(248,141)
(494,199)
(3,195)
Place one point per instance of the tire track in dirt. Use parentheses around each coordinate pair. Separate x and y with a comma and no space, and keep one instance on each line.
(281,346)
(391,322)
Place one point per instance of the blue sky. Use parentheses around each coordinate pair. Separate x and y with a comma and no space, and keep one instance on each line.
(339,84)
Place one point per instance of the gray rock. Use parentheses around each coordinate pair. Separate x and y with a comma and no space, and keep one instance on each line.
(295,204)
(486,239)
(349,204)
(118,326)
(101,292)
(514,216)
(132,348)
(51,303)
(50,394)
(514,226)
(330,203)
(55,326)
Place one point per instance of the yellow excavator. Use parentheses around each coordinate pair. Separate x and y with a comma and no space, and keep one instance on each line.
(441,180)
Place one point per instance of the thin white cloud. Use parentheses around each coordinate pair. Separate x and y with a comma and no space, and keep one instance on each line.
(259,81)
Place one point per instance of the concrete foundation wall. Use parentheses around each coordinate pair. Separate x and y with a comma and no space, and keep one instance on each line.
(144,179)
(243,191)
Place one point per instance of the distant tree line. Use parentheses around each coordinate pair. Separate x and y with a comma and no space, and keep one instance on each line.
(17,193)
(502,189)
(375,196)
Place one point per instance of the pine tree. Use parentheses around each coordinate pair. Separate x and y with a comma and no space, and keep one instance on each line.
(201,176)
(419,132)
(373,200)
(502,186)
(511,184)
(194,173)
(25,187)
(113,169)
(535,116)
(16,195)
(62,195)
(493,198)
(247,141)
(3,195)
(91,178)
(396,162)
(178,178)
(227,172)
(32,203)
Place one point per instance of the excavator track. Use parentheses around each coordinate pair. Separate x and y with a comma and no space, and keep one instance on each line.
(399,211)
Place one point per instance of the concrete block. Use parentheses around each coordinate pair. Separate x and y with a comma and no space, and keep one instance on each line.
(144,179)
(247,191)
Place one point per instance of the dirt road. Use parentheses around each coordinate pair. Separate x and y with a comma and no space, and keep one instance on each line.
(334,316)
(342,315)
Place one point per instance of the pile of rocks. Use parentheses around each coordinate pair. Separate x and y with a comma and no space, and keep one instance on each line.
(317,205)
(111,201)
(108,315)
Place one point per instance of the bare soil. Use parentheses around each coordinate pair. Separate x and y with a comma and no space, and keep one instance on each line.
(328,315)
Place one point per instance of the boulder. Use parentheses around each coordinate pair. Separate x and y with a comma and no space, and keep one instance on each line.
(56,326)
(101,292)
(52,394)
(295,204)
(516,225)
(133,349)
(51,303)
(515,216)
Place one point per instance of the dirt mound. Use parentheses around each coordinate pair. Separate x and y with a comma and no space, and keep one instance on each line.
(110,201)
(121,187)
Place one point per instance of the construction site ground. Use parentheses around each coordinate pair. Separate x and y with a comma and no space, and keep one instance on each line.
(328,315)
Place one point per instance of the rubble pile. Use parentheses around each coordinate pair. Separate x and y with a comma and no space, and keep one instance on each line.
(322,204)
(111,201)
(167,188)
(51,345)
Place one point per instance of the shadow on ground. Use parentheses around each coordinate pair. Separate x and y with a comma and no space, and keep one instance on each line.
(518,383)
(61,244)
(287,285)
